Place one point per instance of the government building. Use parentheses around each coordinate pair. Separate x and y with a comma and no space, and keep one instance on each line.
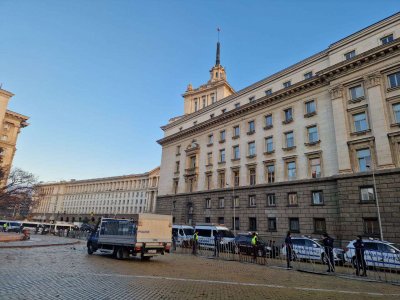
(309,149)
(88,200)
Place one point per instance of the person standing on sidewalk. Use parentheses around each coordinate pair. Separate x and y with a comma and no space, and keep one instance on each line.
(217,243)
(289,249)
(195,242)
(254,242)
(327,241)
(360,259)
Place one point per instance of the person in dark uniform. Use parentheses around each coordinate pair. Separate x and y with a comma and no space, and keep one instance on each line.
(360,260)
(289,249)
(327,241)
(217,243)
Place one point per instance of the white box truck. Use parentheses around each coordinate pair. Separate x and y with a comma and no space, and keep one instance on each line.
(145,235)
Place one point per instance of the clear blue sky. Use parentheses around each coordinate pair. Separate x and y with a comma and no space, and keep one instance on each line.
(99,78)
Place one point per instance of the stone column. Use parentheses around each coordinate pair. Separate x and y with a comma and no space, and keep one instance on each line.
(339,120)
(377,119)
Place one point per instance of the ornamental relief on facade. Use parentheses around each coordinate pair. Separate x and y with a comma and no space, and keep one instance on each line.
(336,91)
(372,80)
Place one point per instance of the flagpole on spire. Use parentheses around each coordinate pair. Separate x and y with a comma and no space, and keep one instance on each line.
(217,61)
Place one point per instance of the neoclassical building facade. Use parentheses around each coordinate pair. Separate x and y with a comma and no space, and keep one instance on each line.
(77,200)
(296,150)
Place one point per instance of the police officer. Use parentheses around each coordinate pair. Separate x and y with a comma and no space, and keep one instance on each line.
(360,260)
(195,242)
(327,241)
(254,241)
(289,249)
(217,241)
(5,225)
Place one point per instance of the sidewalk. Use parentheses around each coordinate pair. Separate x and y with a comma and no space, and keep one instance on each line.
(37,240)
(10,237)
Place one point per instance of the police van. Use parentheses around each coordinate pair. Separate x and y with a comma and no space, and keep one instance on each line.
(182,234)
(207,233)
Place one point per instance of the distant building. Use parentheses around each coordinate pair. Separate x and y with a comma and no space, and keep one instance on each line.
(77,200)
(294,151)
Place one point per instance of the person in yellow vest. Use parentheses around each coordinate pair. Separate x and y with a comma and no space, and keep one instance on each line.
(254,242)
(195,242)
(5,225)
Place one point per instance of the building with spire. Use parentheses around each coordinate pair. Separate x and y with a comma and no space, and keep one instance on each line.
(294,151)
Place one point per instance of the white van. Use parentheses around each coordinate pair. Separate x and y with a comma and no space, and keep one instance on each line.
(182,233)
(208,231)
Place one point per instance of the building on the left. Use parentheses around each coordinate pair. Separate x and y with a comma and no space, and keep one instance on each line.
(11,124)
(90,199)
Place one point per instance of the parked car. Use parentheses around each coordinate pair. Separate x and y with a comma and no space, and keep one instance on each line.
(311,249)
(208,231)
(12,226)
(242,245)
(381,254)
(183,234)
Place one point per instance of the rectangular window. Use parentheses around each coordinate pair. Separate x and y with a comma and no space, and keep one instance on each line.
(308,75)
(289,137)
(193,162)
(269,144)
(212,98)
(396,112)
(319,225)
(268,92)
(371,226)
(350,55)
(394,80)
(221,220)
(221,180)
(252,127)
(177,167)
(236,152)
(310,107)
(360,122)
(209,158)
(312,133)
(222,155)
(271,200)
(237,105)
(364,159)
(387,39)
(236,201)
(271,224)
(210,139)
(178,150)
(270,173)
(236,224)
(287,84)
(292,199)
(204,101)
(195,105)
(252,200)
(207,220)
(315,166)
(252,148)
(236,177)
(253,224)
(294,225)
(252,176)
(252,98)
(317,197)
(356,92)
(222,136)
(176,182)
(288,115)
(221,202)
(208,203)
(268,121)
(236,131)
(367,194)
(209,180)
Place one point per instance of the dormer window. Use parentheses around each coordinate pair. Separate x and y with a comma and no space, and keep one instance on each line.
(387,39)
(350,55)
(216,74)
(252,98)
(287,84)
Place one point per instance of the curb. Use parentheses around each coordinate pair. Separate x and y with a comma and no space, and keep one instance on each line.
(37,246)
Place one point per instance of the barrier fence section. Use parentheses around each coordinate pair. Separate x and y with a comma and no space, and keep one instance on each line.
(375,265)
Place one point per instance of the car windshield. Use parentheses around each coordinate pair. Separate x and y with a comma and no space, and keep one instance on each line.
(226,233)
(188,231)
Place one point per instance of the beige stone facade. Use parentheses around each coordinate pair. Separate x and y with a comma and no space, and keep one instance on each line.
(111,196)
(294,138)
(11,123)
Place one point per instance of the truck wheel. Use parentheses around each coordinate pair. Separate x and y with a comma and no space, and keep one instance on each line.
(90,249)
(120,253)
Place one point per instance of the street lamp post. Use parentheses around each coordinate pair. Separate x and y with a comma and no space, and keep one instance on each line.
(234,208)
(377,202)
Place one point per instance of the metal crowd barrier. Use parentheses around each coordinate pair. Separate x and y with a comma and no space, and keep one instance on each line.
(380,266)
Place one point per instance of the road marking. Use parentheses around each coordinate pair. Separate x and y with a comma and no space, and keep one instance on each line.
(243,284)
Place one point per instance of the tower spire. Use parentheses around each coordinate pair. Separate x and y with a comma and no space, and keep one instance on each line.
(217,60)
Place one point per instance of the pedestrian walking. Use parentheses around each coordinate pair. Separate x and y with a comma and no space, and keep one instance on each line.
(195,242)
(217,242)
(254,242)
(360,259)
(289,249)
(327,241)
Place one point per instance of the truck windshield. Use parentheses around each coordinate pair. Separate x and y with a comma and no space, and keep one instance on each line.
(188,231)
(226,233)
